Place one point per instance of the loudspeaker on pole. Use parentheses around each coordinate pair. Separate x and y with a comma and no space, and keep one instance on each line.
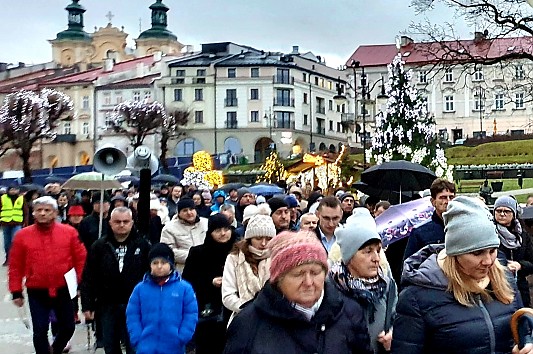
(109,160)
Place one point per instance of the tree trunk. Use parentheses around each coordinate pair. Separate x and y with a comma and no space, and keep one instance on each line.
(25,156)
(163,155)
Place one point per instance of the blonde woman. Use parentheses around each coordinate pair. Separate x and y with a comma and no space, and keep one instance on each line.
(246,268)
(456,297)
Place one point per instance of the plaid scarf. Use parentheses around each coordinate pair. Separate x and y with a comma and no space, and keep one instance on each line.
(366,291)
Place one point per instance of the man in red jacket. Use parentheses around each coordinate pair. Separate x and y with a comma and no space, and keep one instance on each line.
(43,253)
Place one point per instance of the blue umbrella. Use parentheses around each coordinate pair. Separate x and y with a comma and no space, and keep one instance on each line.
(165,178)
(266,189)
(55,179)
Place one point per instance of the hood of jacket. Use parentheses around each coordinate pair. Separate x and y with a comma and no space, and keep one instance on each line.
(422,269)
(272,303)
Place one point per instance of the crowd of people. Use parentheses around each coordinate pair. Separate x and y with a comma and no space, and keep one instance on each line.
(227,271)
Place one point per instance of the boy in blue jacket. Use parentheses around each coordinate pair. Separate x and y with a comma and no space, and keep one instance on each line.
(162,311)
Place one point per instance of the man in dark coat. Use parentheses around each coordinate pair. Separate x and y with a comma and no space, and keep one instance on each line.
(89,226)
(432,231)
(116,263)
(244,199)
(329,214)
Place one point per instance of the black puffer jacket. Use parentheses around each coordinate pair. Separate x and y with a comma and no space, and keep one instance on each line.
(430,320)
(270,325)
(102,281)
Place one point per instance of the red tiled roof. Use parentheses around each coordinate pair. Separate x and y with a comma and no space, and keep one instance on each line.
(138,81)
(27,81)
(423,53)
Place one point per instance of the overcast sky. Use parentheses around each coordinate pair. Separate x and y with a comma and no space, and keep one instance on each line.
(332,29)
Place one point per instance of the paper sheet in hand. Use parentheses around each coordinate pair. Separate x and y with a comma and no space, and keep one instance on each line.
(72,282)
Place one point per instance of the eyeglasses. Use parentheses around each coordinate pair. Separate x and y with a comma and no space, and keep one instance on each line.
(505,212)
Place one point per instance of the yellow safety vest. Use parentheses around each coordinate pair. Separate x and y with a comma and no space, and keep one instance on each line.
(12,212)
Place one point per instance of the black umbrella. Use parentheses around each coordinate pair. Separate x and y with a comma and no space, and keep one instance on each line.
(165,178)
(31,187)
(229,186)
(132,179)
(399,176)
(55,179)
(391,196)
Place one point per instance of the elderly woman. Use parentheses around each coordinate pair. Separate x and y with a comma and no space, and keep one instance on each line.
(297,311)
(515,244)
(361,277)
(456,297)
(246,269)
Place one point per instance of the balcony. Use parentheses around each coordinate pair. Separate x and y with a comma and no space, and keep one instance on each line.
(198,80)
(284,80)
(347,117)
(321,110)
(177,81)
(231,124)
(283,124)
(321,130)
(230,102)
(65,138)
(286,102)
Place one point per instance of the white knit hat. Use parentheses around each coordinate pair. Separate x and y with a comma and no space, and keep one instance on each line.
(260,225)
(249,211)
(155,205)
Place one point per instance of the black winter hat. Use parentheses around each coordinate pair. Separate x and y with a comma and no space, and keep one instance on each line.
(217,221)
(276,203)
(161,250)
(185,203)
(96,198)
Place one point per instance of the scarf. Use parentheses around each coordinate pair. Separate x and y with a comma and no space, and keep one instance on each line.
(366,291)
(259,254)
(249,284)
(310,312)
(510,239)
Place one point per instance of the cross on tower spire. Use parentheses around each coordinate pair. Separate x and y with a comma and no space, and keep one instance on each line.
(110,16)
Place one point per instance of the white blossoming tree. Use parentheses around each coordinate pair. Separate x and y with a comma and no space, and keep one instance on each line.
(406,131)
(27,117)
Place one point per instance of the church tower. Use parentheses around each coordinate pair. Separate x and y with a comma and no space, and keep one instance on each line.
(158,38)
(72,45)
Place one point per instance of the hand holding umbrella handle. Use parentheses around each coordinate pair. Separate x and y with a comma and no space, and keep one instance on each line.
(522,326)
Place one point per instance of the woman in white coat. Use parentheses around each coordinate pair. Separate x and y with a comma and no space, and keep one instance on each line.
(247,267)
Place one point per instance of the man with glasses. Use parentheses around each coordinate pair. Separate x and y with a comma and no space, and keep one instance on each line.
(432,231)
(116,263)
(329,215)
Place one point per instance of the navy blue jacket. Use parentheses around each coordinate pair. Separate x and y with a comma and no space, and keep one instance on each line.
(270,325)
(430,232)
(430,320)
(161,318)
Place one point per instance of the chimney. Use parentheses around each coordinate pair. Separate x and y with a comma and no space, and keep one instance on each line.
(295,49)
(479,36)
(3,67)
(108,65)
(405,41)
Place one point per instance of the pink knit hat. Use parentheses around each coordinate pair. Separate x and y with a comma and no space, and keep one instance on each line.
(290,250)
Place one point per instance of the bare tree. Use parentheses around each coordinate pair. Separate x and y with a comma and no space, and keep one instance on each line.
(171,129)
(27,117)
(136,120)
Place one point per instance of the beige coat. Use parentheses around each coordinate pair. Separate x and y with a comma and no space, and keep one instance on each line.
(181,237)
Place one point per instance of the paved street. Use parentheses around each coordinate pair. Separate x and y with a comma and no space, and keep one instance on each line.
(14,337)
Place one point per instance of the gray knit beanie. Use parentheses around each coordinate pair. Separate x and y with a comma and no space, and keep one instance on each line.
(359,229)
(468,226)
(261,224)
(508,202)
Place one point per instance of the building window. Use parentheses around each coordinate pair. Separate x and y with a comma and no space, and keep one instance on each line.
(330,125)
(330,85)
(200,72)
(448,75)
(306,119)
(283,98)
(519,101)
(85,103)
(178,95)
(330,105)
(148,96)
(231,98)
(339,127)
(118,97)
(67,128)
(232,72)
(479,100)
(108,121)
(304,77)
(136,96)
(254,72)
(305,98)
(478,74)
(283,120)
(180,73)
(519,72)
(422,77)
(231,120)
(85,128)
(449,105)
(107,98)
(283,76)
(316,81)
(198,117)
(320,105)
(254,116)
(498,101)
(178,81)
(198,94)
(254,94)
